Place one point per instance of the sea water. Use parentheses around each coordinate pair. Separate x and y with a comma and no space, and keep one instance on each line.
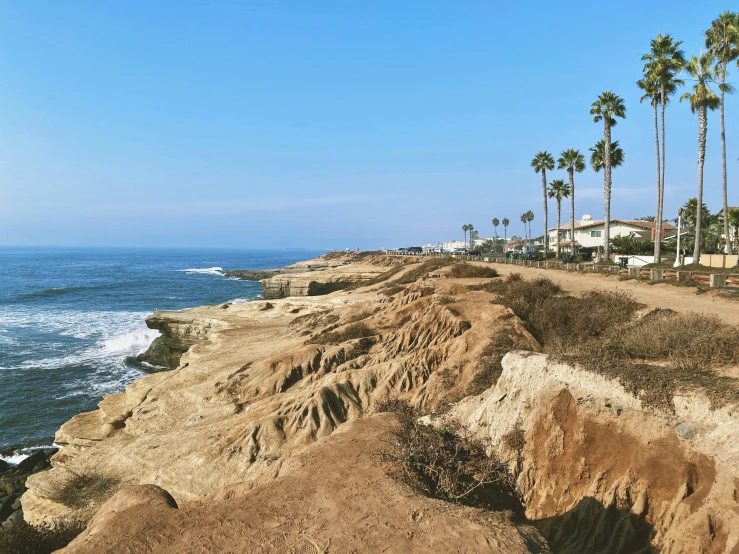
(72,323)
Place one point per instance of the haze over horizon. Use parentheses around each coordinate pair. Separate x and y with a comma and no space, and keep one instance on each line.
(260,124)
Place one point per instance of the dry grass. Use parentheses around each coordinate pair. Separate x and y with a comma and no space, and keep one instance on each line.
(447,463)
(21,538)
(690,340)
(654,357)
(446,299)
(464,270)
(79,490)
(346,333)
(392,290)
(424,268)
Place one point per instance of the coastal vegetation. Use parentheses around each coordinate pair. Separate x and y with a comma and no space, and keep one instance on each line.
(665,71)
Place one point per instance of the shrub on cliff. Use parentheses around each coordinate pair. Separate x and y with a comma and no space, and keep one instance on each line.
(446,462)
(465,270)
(21,538)
(349,332)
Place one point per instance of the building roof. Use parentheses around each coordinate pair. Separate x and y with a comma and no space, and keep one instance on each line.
(585,223)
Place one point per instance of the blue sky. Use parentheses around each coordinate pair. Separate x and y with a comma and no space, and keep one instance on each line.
(326,124)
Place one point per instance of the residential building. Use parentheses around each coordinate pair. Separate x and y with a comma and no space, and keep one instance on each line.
(733,235)
(589,232)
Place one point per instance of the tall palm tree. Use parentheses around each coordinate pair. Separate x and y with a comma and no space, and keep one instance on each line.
(505,223)
(701,99)
(495,223)
(542,163)
(465,228)
(663,63)
(722,41)
(653,93)
(525,221)
(529,218)
(471,229)
(607,108)
(572,161)
(558,190)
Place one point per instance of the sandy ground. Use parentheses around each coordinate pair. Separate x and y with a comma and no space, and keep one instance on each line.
(680,299)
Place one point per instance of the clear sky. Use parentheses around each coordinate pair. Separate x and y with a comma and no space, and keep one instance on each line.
(326,123)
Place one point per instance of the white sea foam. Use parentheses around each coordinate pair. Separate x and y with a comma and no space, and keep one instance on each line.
(18,456)
(204,270)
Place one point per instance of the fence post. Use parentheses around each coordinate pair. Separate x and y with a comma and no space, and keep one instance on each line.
(635,272)
(657,275)
(717,280)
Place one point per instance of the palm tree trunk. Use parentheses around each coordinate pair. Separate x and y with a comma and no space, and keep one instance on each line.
(702,125)
(544,190)
(559,210)
(572,211)
(728,249)
(660,202)
(607,188)
(661,193)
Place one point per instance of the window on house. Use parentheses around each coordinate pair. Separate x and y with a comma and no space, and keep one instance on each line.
(595,233)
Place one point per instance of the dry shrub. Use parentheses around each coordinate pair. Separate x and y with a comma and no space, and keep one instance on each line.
(446,299)
(422,269)
(343,334)
(523,297)
(21,538)
(381,278)
(464,270)
(691,340)
(312,321)
(447,463)
(78,490)
(392,290)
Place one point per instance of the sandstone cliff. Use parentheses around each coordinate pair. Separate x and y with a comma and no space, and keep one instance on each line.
(600,472)
(256,441)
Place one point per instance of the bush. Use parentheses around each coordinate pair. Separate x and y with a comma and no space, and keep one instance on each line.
(690,340)
(78,490)
(443,462)
(21,538)
(422,269)
(343,334)
(392,290)
(465,270)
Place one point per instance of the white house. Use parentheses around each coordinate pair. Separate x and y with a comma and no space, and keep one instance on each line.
(589,231)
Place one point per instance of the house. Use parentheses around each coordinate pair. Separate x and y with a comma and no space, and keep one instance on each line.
(733,235)
(589,231)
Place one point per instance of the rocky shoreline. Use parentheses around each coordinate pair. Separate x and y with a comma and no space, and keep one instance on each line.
(13,483)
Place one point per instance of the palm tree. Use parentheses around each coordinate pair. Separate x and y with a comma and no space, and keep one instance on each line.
(653,93)
(734,224)
(496,222)
(525,221)
(607,108)
(664,61)
(572,161)
(542,162)
(701,100)
(471,229)
(558,190)
(596,158)
(722,41)
(465,228)
(505,223)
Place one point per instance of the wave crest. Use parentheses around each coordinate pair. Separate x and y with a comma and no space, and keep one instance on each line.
(204,270)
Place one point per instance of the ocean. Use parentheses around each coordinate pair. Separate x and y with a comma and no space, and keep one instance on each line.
(72,323)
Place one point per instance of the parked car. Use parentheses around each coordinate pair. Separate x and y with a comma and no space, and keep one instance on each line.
(534,256)
(415,250)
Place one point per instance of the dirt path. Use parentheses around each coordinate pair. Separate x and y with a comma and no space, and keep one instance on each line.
(680,299)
